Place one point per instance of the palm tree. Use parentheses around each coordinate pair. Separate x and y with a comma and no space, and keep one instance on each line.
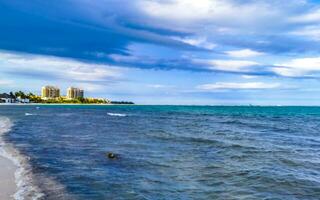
(12,95)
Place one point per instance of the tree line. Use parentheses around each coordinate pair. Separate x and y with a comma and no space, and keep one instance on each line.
(80,100)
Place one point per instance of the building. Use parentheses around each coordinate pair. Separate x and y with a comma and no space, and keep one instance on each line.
(6,98)
(22,100)
(74,93)
(50,92)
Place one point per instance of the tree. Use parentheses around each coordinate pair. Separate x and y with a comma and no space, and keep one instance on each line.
(12,95)
(20,94)
(30,95)
(80,99)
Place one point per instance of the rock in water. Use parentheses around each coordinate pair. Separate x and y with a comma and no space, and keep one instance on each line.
(111,155)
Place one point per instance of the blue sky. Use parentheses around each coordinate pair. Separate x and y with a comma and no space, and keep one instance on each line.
(165,51)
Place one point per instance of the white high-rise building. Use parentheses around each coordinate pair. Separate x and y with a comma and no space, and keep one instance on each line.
(74,93)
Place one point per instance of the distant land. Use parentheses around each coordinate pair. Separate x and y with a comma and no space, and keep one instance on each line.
(51,95)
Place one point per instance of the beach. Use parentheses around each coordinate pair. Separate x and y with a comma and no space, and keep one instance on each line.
(8,168)
(7,180)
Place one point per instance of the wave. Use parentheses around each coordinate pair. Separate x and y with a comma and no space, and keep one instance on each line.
(26,188)
(29,114)
(117,114)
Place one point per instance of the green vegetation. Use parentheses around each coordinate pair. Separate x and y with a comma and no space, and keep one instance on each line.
(22,95)
(63,100)
(75,101)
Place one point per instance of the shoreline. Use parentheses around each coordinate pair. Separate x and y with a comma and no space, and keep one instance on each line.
(16,179)
(8,186)
(8,181)
(59,104)
(185,105)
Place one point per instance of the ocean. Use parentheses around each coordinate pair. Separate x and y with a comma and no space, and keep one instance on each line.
(163,152)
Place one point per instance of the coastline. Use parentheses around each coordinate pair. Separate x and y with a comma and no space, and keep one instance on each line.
(8,186)
(16,179)
(59,104)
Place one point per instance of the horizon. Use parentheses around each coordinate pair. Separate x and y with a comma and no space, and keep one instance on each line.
(176,52)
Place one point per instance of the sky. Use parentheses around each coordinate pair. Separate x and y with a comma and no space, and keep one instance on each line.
(203,52)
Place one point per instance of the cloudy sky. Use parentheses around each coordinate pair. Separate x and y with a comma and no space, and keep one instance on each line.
(165,51)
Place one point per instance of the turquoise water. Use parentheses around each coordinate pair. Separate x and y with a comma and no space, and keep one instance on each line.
(168,152)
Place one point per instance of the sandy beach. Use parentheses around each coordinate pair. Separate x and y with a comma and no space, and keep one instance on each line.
(7,181)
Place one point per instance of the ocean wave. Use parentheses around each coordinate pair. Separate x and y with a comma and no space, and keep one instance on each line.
(29,114)
(117,114)
(26,189)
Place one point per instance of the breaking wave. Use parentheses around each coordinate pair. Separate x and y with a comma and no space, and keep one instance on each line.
(28,114)
(26,189)
(117,114)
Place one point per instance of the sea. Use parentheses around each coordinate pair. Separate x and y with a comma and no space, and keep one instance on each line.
(163,152)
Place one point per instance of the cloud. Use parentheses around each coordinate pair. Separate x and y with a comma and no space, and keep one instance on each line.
(190,11)
(4,82)
(124,58)
(103,31)
(201,42)
(238,86)
(74,31)
(298,67)
(178,9)
(308,24)
(57,68)
(249,77)
(309,17)
(229,65)
(159,86)
(312,32)
(244,53)
(91,87)
(230,23)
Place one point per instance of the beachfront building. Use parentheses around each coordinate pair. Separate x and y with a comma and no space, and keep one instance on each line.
(50,92)
(6,98)
(74,93)
(22,100)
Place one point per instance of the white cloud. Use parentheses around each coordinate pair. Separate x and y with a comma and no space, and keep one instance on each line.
(243,53)
(228,65)
(313,16)
(60,67)
(225,30)
(123,58)
(158,86)
(312,32)
(298,67)
(91,87)
(179,9)
(132,59)
(4,82)
(191,11)
(238,86)
(197,41)
(249,77)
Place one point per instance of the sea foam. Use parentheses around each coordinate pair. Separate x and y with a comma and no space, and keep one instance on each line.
(28,114)
(26,189)
(117,114)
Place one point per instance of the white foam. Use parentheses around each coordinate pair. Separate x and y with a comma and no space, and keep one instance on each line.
(28,114)
(117,114)
(23,176)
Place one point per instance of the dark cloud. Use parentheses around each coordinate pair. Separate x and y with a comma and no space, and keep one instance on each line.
(25,31)
(93,30)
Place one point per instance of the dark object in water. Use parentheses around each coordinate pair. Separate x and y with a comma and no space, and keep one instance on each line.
(111,155)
